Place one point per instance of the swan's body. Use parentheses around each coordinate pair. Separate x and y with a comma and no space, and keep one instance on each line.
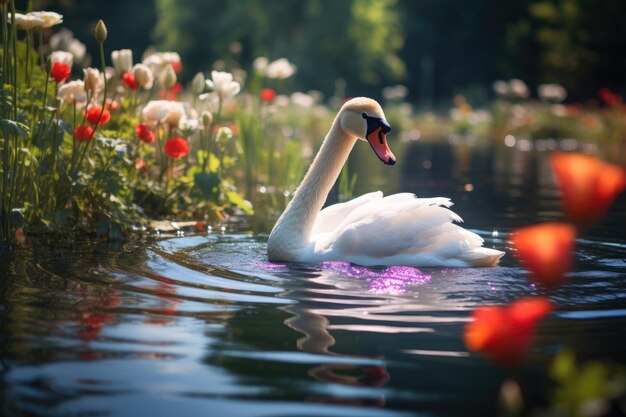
(370,230)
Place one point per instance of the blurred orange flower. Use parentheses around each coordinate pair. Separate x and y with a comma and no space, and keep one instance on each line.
(504,333)
(589,185)
(545,250)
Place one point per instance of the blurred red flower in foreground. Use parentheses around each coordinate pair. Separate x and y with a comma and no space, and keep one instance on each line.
(130,81)
(144,133)
(176,148)
(504,333)
(93,116)
(589,185)
(83,133)
(268,95)
(545,250)
(60,72)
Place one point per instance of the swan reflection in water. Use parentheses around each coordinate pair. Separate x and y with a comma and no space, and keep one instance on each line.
(358,292)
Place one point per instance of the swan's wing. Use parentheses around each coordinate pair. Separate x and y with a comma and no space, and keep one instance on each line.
(402,230)
(329,218)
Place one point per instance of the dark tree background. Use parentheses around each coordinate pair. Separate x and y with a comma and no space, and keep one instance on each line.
(437,48)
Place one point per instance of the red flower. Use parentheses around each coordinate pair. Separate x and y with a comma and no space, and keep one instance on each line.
(93,116)
(144,133)
(268,95)
(504,333)
(589,185)
(176,148)
(60,72)
(83,133)
(172,93)
(130,81)
(545,250)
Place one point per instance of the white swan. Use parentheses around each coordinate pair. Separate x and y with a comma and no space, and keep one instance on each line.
(399,229)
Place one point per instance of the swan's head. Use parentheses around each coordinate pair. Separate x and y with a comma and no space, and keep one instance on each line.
(363,118)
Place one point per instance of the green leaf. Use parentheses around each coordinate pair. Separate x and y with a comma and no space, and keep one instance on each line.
(239,201)
(13,128)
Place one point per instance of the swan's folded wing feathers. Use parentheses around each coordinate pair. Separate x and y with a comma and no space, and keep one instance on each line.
(329,218)
(403,229)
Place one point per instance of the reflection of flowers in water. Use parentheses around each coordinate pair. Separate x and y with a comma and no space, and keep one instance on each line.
(392,280)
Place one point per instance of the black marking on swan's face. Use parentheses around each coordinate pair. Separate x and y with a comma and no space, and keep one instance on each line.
(374,123)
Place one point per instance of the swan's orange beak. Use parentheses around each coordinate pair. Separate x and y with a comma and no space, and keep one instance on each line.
(376,135)
(378,141)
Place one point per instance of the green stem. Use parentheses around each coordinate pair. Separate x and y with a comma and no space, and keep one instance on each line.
(104,99)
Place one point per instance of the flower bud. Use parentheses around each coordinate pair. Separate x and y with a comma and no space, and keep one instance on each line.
(207,119)
(92,81)
(168,78)
(197,84)
(101,32)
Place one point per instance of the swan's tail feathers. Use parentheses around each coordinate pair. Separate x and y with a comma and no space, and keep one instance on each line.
(479,257)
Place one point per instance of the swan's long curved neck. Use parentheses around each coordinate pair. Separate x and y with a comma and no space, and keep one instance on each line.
(292,231)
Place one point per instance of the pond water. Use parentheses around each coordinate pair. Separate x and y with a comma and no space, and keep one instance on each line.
(203,325)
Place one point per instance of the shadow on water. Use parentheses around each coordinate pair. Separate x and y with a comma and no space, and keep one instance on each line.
(204,325)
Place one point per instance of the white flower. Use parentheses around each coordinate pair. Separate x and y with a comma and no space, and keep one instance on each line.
(159,60)
(62,57)
(122,60)
(73,92)
(302,99)
(143,75)
(501,88)
(64,40)
(518,88)
(222,83)
(281,100)
(49,18)
(280,69)
(93,80)
(188,124)
(163,111)
(396,92)
(27,21)
(260,64)
(552,92)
